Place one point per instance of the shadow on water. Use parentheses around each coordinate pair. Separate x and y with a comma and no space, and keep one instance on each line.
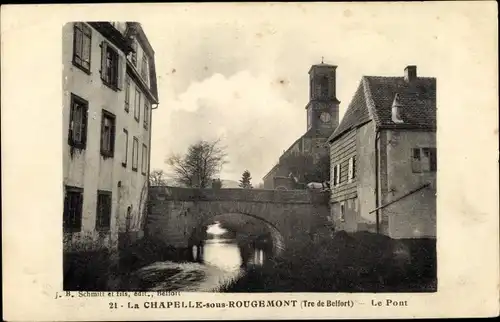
(211,263)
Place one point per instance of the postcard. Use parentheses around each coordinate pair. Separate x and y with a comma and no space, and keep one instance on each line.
(250,160)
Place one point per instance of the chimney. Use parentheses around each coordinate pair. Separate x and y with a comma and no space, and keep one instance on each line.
(410,73)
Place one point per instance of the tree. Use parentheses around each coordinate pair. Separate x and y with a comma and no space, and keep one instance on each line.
(157,177)
(202,162)
(245,180)
(305,168)
(216,183)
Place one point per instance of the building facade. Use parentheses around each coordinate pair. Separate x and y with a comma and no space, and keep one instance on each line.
(109,92)
(383,158)
(322,113)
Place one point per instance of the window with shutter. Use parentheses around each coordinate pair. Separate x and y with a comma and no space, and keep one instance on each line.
(107,133)
(338,173)
(424,160)
(77,129)
(110,66)
(82,36)
(73,205)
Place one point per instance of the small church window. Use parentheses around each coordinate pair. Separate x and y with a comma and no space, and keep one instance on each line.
(322,87)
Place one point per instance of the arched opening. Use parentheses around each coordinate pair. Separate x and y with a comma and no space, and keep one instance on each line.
(233,241)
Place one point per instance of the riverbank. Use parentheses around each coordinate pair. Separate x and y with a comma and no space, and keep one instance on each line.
(348,262)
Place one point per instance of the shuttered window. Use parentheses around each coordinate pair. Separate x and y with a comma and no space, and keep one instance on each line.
(352,169)
(424,160)
(77,129)
(82,39)
(111,67)
(336,175)
(72,214)
(103,218)
(107,134)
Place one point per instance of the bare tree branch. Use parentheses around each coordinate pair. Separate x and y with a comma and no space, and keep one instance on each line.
(202,162)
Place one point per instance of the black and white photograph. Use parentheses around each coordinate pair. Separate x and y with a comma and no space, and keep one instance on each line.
(212,167)
(196,161)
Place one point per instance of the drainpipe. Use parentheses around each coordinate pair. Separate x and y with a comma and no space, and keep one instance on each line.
(377,161)
(144,221)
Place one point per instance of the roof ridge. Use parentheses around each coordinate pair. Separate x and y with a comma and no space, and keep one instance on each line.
(401,77)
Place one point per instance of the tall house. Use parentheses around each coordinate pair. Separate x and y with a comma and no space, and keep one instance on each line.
(109,92)
(322,113)
(383,158)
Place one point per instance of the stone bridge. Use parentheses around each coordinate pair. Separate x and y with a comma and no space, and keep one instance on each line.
(291,217)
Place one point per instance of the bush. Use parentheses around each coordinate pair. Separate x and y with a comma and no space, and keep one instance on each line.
(348,262)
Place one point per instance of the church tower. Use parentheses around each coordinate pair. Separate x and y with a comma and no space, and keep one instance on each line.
(323,106)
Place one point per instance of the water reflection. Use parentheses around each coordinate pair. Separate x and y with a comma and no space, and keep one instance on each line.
(227,255)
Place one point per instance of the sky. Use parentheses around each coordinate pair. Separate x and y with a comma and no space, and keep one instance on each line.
(242,74)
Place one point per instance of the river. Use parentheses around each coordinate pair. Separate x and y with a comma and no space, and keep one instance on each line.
(218,263)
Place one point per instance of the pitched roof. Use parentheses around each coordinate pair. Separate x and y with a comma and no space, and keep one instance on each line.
(373,101)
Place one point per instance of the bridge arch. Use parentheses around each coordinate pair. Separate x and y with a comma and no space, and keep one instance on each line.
(198,233)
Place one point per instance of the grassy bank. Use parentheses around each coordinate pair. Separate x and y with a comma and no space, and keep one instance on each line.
(142,253)
(357,262)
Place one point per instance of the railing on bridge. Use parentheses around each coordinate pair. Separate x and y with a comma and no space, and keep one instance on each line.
(235,194)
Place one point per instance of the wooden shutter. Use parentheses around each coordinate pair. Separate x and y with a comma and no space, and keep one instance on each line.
(349,173)
(120,72)
(66,214)
(112,135)
(338,173)
(433,159)
(85,112)
(104,50)
(415,160)
(78,212)
(354,167)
